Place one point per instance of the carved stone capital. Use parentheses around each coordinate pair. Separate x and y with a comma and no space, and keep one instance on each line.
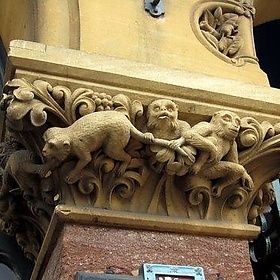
(109,144)
(80,148)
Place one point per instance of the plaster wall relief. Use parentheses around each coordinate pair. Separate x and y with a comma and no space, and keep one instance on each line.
(92,149)
(225,28)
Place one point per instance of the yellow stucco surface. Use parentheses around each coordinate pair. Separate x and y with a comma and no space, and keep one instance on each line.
(125,30)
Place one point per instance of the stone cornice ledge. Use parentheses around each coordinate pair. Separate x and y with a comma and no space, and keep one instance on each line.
(95,216)
(204,94)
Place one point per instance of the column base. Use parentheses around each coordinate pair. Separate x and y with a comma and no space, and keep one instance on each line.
(70,247)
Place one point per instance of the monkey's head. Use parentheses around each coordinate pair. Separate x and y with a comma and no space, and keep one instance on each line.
(226,124)
(57,144)
(162,114)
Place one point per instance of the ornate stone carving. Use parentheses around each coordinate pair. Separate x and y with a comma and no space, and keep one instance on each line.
(217,157)
(107,129)
(163,123)
(224,27)
(92,149)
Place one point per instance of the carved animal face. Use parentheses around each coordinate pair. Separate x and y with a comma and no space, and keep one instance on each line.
(162,112)
(57,146)
(226,124)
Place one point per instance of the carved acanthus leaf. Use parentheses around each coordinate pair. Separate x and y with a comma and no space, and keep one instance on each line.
(33,99)
(39,98)
(251,136)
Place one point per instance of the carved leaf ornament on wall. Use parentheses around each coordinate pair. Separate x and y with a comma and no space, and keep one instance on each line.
(225,28)
(173,169)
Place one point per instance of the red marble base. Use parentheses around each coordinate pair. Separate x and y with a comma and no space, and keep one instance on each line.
(95,248)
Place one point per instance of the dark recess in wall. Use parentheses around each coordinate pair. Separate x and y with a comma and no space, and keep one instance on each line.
(268,50)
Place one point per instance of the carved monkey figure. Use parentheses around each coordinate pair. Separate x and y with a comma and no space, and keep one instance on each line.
(22,166)
(217,155)
(162,115)
(221,131)
(163,123)
(110,130)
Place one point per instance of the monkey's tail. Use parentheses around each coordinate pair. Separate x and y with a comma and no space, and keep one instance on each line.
(146,138)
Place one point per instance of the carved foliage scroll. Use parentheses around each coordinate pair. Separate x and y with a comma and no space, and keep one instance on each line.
(225,28)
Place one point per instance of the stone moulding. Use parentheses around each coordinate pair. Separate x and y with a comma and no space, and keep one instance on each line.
(225,28)
(85,215)
(211,178)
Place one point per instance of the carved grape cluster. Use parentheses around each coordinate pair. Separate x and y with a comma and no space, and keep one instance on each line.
(102,101)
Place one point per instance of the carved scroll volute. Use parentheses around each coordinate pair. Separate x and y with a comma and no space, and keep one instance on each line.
(259,153)
(225,28)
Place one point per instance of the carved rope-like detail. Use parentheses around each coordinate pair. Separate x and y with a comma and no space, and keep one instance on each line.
(224,27)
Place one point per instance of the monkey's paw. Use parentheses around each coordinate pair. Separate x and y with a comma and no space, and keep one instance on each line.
(72,178)
(247,182)
(149,138)
(176,144)
(213,156)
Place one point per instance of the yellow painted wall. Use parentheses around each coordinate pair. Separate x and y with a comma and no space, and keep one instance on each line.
(126,30)
(16,20)
(121,29)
